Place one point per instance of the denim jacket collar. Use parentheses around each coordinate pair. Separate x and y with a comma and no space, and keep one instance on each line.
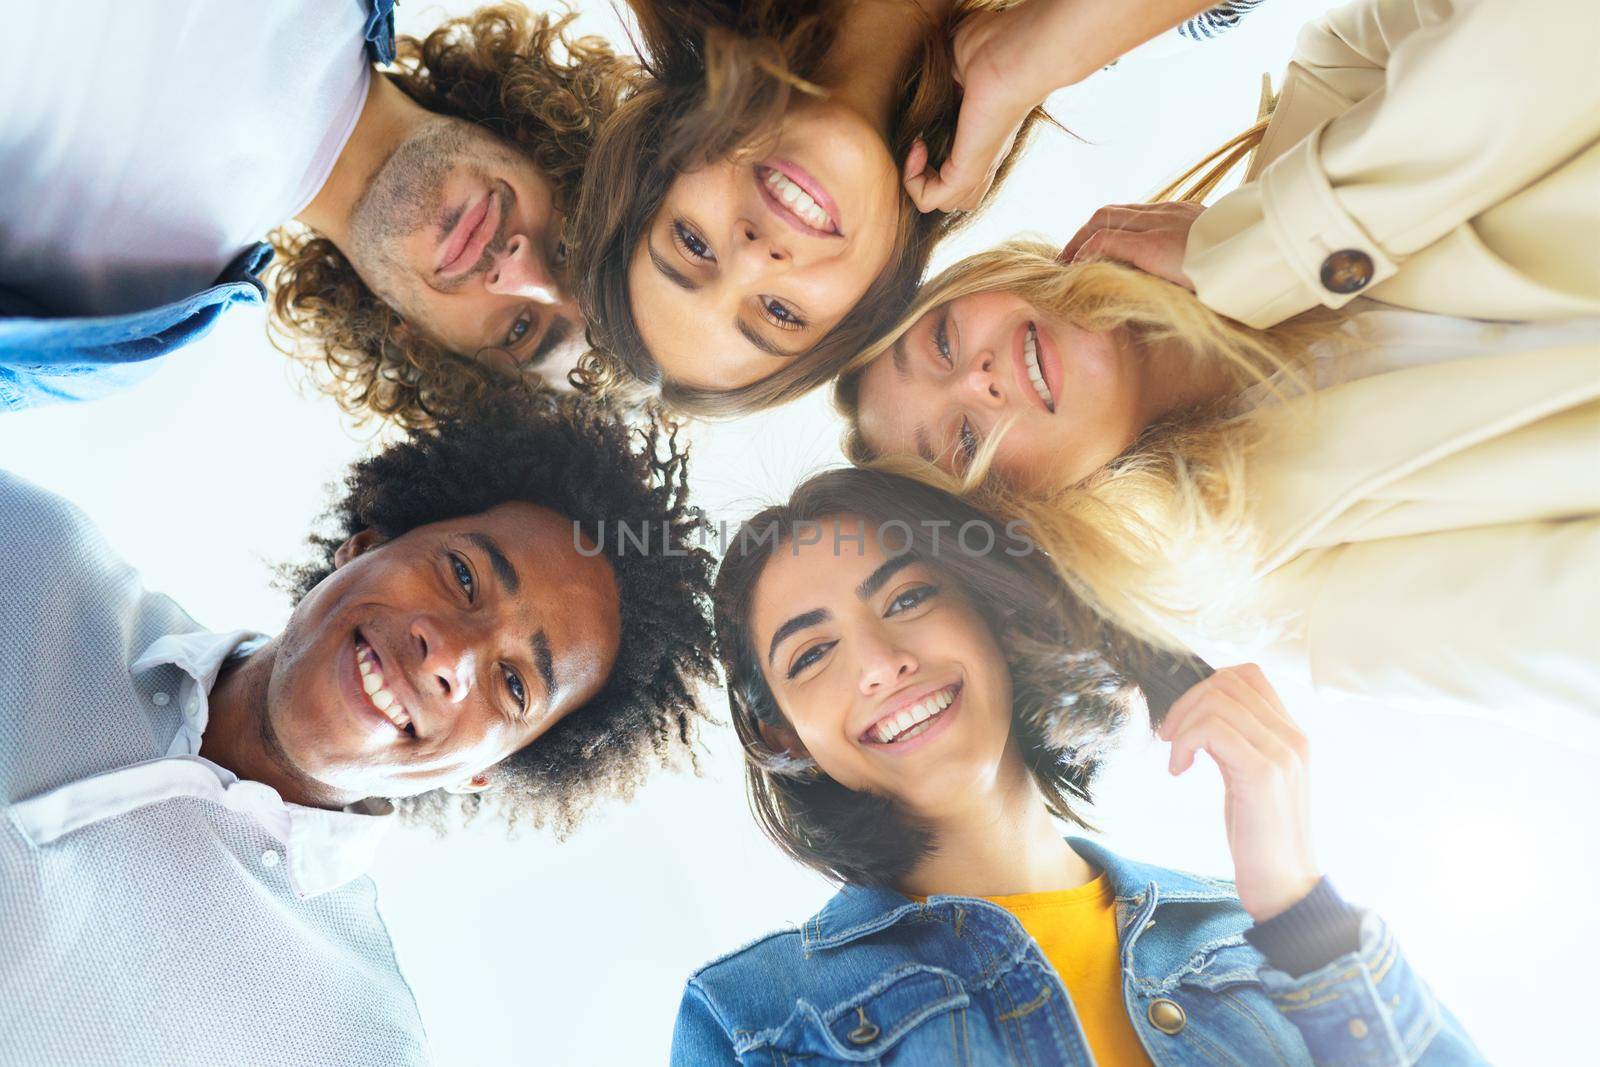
(857,911)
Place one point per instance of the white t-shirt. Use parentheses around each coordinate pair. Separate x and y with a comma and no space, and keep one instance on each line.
(144,145)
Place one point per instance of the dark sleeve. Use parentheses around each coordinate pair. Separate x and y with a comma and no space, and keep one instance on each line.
(1312,934)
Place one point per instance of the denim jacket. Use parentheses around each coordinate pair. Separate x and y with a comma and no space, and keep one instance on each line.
(877,978)
(46,360)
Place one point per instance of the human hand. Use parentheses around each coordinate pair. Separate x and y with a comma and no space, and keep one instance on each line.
(1151,237)
(1236,718)
(993,51)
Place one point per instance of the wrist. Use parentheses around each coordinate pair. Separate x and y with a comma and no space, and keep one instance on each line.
(1265,903)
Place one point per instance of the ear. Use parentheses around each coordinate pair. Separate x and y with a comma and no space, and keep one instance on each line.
(476,784)
(358,544)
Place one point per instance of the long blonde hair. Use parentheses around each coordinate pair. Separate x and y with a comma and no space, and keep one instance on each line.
(1162,533)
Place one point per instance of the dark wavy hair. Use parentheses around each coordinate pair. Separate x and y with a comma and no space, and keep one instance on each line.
(580,459)
(498,68)
(721,72)
(1074,679)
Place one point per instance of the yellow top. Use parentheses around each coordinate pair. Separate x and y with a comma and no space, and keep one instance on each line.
(1077,931)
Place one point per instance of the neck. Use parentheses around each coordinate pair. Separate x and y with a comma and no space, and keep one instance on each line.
(237,736)
(1175,381)
(878,40)
(388,118)
(998,841)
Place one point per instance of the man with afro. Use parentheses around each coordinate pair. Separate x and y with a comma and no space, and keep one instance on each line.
(189,813)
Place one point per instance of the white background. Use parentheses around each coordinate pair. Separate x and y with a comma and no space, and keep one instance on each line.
(1469,836)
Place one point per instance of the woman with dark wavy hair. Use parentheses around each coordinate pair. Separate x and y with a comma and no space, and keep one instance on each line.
(920,705)
(765,201)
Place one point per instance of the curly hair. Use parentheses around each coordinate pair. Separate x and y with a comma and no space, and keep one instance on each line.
(1074,679)
(497,68)
(578,458)
(721,73)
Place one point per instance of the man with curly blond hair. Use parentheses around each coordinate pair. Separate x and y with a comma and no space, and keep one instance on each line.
(423,254)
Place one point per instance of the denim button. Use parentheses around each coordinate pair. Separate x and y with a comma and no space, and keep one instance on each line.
(1358,1029)
(866,1032)
(1346,271)
(1167,1016)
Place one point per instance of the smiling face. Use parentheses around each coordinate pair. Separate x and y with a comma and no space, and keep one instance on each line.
(458,233)
(1071,399)
(886,672)
(425,660)
(751,261)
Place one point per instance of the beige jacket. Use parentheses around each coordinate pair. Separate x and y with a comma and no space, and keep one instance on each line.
(1431,534)
(1451,146)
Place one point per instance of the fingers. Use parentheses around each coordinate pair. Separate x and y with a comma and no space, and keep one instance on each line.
(1134,217)
(1242,698)
(1157,252)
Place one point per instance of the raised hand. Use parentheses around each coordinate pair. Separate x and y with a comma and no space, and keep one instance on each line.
(1151,237)
(1236,718)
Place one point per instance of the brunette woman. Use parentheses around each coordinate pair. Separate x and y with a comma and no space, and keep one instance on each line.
(747,221)
(920,705)
(1419,527)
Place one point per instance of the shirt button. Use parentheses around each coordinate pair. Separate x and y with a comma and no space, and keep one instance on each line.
(160,700)
(269,858)
(1358,1029)
(1347,271)
(1167,1016)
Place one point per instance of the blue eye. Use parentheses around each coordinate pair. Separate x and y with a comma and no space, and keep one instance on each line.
(941,338)
(519,330)
(691,242)
(910,598)
(969,441)
(463,575)
(780,315)
(519,693)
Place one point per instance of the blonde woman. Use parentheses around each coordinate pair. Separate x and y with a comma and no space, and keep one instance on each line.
(1399,498)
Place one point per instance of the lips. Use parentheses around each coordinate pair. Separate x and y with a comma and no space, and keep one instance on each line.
(470,235)
(797,198)
(910,720)
(1037,369)
(372,692)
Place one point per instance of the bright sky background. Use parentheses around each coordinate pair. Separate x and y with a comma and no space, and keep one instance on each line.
(1466,834)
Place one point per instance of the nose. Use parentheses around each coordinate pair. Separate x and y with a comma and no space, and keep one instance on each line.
(758,252)
(884,665)
(522,272)
(445,662)
(977,381)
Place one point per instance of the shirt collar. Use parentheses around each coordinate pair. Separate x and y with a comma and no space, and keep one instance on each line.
(856,911)
(325,849)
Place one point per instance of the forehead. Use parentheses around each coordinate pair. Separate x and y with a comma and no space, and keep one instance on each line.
(825,573)
(890,407)
(572,597)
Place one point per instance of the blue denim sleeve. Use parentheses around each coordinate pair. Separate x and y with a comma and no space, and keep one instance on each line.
(1368,1007)
(699,1037)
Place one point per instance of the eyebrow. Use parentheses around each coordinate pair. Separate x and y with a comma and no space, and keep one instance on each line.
(559,330)
(755,338)
(885,571)
(545,663)
(672,274)
(503,570)
(807,619)
(799,622)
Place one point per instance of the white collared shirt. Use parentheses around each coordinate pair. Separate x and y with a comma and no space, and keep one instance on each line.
(155,907)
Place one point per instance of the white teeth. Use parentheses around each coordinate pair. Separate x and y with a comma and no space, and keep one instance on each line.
(1030,356)
(798,201)
(909,722)
(380,697)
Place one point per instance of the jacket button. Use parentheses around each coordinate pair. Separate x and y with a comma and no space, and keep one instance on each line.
(1167,1016)
(1346,271)
(1358,1029)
